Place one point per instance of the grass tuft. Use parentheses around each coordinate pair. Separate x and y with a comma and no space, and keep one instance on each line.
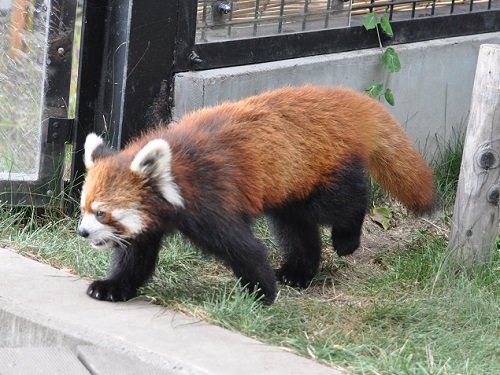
(446,165)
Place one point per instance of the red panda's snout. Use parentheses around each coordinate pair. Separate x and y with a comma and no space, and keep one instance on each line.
(109,228)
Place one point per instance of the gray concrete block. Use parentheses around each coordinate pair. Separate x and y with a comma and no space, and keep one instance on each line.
(432,91)
(101,361)
(40,361)
(37,295)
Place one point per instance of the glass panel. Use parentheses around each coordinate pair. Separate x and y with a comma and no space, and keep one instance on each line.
(23,34)
(36,42)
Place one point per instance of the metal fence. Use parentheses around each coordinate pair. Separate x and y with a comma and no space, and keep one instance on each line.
(222,20)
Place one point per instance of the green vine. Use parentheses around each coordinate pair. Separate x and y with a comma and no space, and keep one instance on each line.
(390,59)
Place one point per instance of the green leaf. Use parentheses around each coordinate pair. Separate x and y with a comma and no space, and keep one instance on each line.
(381,216)
(390,60)
(375,90)
(386,25)
(370,21)
(389,97)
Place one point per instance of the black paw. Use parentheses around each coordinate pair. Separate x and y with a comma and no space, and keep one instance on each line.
(266,296)
(264,293)
(346,246)
(294,277)
(110,290)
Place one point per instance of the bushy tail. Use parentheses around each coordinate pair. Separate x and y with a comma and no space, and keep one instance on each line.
(399,168)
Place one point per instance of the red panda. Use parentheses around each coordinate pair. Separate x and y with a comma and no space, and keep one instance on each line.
(300,156)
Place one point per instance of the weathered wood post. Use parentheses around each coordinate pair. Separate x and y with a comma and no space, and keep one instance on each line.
(476,214)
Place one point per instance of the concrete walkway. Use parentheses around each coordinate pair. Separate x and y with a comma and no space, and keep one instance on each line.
(48,325)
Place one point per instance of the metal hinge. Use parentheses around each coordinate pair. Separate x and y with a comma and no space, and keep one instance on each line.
(60,130)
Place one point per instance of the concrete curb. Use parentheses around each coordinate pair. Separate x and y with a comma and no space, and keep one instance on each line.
(43,306)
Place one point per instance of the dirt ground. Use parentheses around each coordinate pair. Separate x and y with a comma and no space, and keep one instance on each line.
(331,285)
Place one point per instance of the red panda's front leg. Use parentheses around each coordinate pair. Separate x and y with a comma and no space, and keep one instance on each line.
(232,240)
(131,267)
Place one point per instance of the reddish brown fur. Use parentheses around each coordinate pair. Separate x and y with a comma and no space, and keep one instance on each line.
(283,144)
(278,146)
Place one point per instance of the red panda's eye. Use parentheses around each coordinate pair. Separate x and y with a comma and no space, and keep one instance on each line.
(100,214)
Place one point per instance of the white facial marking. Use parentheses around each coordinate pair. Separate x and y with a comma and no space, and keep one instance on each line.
(100,235)
(94,206)
(91,143)
(155,161)
(130,218)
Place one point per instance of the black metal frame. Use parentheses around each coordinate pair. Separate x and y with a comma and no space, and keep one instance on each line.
(286,46)
(48,187)
(126,63)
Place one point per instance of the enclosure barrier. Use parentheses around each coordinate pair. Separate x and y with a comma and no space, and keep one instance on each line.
(220,19)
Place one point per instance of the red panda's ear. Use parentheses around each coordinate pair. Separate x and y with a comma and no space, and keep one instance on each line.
(154,161)
(94,149)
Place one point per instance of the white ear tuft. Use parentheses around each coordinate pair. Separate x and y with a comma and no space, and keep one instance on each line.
(154,161)
(91,143)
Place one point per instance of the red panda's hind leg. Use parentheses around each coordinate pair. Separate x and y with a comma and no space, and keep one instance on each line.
(300,242)
(346,241)
(343,204)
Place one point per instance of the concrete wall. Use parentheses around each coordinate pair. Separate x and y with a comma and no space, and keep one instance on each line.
(432,91)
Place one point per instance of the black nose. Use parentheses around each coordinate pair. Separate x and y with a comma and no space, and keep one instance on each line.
(82,232)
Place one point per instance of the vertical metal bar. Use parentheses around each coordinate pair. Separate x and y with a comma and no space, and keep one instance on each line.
(327,16)
(185,38)
(391,11)
(152,33)
(304,18)
(413,7)
(256,17)
(230,18)
(350,13)
(433,9)
(282,11)
(489,4)
(204,22)
(452,6)
(471,5)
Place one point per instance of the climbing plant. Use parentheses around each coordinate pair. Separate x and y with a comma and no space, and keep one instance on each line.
(390,59)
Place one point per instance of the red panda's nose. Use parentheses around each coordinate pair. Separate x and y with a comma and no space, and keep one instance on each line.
(83,232)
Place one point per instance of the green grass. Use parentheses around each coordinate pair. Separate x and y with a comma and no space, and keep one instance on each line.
(446,164)
(402,311)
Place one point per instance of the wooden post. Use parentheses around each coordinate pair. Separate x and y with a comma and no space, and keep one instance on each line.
(476,214)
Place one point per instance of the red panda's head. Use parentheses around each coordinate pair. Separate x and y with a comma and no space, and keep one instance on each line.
(125,192)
